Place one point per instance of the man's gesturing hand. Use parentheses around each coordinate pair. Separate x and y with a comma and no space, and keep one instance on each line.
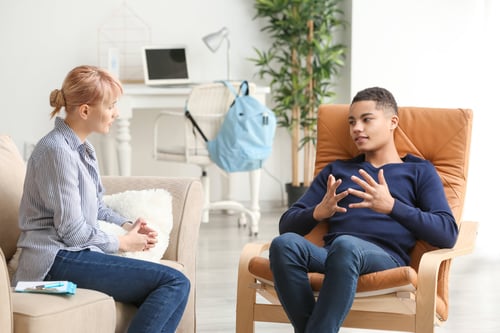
(329,205)
(375,196)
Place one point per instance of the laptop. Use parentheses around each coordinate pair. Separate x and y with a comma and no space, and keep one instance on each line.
(165,65)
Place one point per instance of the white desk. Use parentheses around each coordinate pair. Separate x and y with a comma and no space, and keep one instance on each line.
(141,97)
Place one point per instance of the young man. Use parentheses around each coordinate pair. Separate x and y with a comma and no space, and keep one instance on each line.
(377,205)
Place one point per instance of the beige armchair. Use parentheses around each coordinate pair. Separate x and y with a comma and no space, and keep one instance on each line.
(412,298)
(89,310)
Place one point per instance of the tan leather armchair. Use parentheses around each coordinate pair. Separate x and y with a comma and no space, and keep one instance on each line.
(89,310)
(413,298)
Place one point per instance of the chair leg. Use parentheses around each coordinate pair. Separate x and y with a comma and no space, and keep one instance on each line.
(205,181)
(245,296)
(227,191)
(255,176)
(424,318)
(425,325)
(230,206)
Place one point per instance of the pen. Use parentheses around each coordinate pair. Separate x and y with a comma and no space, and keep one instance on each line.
(50,285)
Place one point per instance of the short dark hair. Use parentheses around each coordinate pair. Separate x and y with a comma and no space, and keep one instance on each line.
(382,97)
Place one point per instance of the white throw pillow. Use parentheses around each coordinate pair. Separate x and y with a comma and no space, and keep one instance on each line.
(154,205)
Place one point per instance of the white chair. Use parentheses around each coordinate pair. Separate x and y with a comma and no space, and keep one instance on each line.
(207,103)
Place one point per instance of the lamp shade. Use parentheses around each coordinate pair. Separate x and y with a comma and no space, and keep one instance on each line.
(214,40)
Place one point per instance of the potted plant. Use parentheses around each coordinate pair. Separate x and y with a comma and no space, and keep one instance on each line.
(303,58)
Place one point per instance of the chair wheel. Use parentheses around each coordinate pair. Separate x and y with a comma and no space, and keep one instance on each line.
(253,231)
(242,221)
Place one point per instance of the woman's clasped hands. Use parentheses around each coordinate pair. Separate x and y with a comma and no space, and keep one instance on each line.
(140,237)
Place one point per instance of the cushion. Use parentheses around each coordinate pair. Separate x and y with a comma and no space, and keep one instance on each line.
(62,314)
(12,172)
(400,279)
(155,206)
(377,283)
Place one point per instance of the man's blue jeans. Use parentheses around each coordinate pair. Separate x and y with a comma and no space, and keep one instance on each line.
(347,257)
(160,292)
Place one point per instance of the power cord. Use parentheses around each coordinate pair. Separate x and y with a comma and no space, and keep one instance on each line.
(283,198)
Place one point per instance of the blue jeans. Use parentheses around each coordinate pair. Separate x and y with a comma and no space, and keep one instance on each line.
(342,262)
(160,292)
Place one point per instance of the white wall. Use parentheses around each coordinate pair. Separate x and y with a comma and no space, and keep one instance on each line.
(443,54)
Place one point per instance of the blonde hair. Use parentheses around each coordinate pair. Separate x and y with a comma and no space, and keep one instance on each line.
(83,85)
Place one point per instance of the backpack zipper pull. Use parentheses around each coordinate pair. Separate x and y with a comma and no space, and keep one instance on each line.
(265,119)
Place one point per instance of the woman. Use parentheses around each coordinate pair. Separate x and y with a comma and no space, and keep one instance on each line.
(62,201)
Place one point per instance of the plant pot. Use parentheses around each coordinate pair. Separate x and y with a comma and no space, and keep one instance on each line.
(294,192)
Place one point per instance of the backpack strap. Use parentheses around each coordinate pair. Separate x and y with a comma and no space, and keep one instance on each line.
(194,123)
(243,88)
(230,87)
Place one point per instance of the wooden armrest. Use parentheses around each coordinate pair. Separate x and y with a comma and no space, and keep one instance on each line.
(466,238)
(465,245)
(428,269)
(249,251)
(246,296)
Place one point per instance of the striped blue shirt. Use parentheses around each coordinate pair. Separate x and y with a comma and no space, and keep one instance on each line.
(61,203)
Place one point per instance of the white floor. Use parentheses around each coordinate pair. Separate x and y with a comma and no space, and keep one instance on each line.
(474,292)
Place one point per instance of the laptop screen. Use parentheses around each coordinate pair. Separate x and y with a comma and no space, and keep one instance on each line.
(165,65)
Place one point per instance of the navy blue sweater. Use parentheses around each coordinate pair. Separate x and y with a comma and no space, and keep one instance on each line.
(420,211)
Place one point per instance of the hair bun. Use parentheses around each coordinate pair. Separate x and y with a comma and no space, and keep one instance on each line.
(57,98)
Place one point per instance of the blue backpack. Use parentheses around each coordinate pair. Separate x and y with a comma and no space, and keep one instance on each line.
(245,138)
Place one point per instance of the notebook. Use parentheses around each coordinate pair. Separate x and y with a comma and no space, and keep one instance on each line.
(165,65)
(46,287)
